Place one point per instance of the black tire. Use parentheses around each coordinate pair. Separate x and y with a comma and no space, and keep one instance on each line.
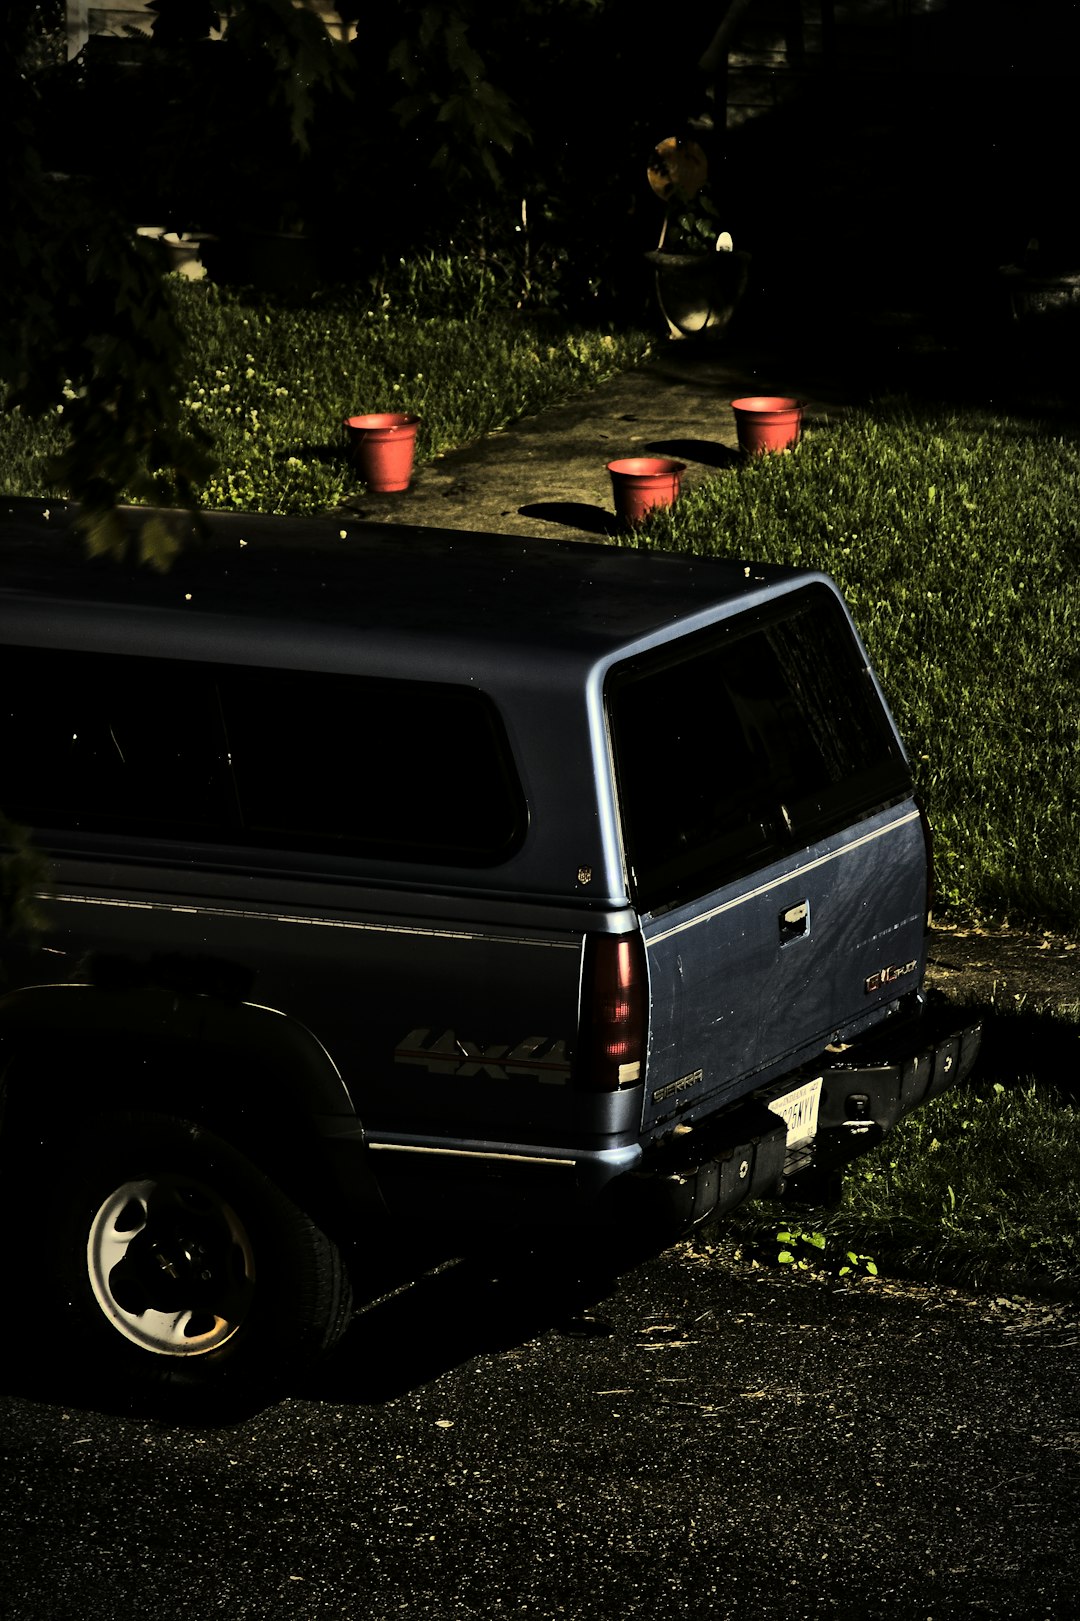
(175,1266)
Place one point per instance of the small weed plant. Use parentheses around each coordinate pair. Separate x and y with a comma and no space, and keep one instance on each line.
(810,1250)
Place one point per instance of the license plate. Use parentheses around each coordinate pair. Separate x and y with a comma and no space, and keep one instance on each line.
(799,1112)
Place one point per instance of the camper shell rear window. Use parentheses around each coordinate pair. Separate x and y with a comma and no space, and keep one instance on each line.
(744,742)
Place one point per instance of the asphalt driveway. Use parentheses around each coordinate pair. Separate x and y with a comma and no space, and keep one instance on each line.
(705,1440)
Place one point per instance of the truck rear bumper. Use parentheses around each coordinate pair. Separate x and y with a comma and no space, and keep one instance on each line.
(749,1151)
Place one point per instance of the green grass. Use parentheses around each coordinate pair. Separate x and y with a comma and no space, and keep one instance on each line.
(272,384)
(981,1186)
(957,543)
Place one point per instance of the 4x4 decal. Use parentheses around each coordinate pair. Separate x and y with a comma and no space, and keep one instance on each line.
(539,1057)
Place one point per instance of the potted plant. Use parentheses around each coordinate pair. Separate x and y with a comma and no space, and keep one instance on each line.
(382,444)
(640,483)
(700,278)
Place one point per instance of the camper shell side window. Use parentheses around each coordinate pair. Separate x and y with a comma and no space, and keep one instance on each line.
(350,765)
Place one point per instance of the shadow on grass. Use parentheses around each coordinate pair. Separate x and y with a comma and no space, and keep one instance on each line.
(1022,1044)
(1031,1029)
(910,1250)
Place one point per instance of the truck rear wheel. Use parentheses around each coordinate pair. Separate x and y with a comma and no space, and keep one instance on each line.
(172,1262)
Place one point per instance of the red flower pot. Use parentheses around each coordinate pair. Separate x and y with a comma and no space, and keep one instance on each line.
(767,422)
(382,446)
(640,483)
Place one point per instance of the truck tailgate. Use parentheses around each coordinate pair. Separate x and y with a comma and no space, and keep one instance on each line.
(761,974)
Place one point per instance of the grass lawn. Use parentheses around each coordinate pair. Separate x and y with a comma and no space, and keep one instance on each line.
(271,386)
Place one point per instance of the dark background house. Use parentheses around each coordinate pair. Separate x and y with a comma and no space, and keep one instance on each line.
(885,156)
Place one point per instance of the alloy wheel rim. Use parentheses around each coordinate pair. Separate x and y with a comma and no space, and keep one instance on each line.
(171,1266)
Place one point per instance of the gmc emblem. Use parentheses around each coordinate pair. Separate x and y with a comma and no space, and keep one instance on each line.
(889,976)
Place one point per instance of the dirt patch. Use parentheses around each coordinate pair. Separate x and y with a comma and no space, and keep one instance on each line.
(995,963)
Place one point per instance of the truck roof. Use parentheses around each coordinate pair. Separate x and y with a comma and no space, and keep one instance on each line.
(339,575)
(536,625)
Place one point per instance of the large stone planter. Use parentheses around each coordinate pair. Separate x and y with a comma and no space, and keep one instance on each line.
(698,292)
(1042,295)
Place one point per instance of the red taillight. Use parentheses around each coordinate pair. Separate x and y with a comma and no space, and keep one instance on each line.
(610,1052)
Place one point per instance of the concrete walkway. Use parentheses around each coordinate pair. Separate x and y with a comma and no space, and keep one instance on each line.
(547,474)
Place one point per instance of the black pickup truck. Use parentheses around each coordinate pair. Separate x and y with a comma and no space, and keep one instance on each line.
(403,874)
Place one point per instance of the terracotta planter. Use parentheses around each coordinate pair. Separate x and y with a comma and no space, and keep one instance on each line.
(767,422)
(640,483)
(1035,295)
(382,445)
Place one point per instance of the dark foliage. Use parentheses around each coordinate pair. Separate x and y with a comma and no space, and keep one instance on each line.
(515,139)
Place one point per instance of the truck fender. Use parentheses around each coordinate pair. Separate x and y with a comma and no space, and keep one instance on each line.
(259,1077)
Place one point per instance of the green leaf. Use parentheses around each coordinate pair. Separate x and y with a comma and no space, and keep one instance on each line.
(104,534)
(24,879)
(158,544)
